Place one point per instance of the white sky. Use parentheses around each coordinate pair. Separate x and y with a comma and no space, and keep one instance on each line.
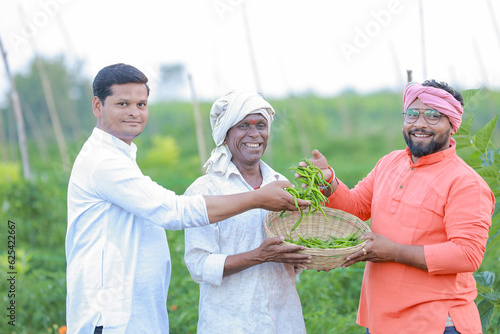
(320,45)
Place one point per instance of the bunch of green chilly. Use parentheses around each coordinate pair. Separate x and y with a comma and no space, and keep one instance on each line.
(329,243)
(314,180)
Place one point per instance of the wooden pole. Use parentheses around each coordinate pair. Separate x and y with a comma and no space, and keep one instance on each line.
(482,69)
(51,106)
(16,104)
(422,35)
(297,116)
(200,136)
(72,112)
(484,74)
(269,149)
(397,67)
(251,50)
(494,21)
(40,141)
(54,117)
(3,140)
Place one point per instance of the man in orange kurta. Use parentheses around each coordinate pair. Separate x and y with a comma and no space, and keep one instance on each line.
(430,215)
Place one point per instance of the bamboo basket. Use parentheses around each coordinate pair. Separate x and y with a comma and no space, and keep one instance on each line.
(340,225)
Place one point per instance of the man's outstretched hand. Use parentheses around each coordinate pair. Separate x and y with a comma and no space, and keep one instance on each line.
(274,197)
(319,160)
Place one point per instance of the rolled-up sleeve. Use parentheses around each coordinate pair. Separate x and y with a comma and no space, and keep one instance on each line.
(467,221)
(202,257)
(213,270)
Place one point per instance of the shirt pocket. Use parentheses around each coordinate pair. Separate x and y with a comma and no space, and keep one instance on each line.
(422,210)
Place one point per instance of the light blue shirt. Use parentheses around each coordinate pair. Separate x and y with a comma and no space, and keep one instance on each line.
(118,260)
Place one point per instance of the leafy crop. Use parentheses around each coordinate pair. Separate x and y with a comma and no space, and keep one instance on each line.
(479,152)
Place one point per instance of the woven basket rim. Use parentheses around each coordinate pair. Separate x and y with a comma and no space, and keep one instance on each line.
(340,224)
(363,228)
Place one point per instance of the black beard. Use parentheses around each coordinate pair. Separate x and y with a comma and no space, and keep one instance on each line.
(438,143)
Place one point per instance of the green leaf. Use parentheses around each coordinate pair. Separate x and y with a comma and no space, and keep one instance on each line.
(466,152)
(497,209)
(496,159)
(493,239)
(462,140)
(474,160)
(492,296)
(468,94)
(485,311)
(485,278)
(483,136)
(495,223)
(496,192)
(493,184)
(488,158)
(490,171)
(465,126)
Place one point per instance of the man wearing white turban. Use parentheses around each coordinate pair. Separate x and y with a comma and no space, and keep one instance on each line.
(225,113)
(247,282)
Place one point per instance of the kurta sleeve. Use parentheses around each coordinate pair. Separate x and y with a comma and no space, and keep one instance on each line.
(202,252)
(467,221)
(355,201)
(123,184)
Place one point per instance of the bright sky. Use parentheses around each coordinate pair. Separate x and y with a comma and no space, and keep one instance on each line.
(321,45)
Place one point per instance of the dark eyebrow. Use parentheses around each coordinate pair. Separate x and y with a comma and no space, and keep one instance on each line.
(128,101)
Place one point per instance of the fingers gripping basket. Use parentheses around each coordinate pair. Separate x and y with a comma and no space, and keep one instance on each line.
(340,225)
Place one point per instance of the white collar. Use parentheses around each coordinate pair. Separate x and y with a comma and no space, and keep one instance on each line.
(105,137)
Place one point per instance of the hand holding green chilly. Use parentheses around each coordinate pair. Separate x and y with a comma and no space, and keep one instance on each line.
(314,181)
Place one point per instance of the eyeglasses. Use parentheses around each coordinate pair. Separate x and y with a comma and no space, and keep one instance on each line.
(431,116)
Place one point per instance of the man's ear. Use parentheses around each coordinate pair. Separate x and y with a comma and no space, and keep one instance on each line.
(452,131)
(96,106)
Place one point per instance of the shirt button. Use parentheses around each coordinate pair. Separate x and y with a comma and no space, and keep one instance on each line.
(400,187)
(412,168)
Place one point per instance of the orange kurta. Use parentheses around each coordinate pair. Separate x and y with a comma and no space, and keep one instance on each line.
(441,203)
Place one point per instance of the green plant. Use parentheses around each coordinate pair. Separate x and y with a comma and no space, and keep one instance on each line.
(38,209)
(330,300)
(479,153)
(9,172)
(313,179)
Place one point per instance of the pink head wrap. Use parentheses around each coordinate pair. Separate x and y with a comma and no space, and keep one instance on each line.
(436,98)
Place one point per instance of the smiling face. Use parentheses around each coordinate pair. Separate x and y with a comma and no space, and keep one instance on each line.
(247,140)
(124,113)
(424,139)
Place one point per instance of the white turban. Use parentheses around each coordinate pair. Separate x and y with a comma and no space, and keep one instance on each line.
(226,112)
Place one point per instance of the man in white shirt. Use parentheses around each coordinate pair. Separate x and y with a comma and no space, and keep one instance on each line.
(118,261)
(247,281)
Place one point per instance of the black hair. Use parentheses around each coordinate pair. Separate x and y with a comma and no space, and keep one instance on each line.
(117,74)
(446,87)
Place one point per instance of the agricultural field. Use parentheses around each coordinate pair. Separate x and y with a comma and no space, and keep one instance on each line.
(352,130)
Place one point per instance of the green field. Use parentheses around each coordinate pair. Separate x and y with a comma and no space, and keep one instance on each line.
(352,130)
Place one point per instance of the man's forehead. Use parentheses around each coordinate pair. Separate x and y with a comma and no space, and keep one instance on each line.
(127,88)
(252,117)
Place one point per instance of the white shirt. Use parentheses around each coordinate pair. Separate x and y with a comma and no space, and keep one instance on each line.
(118,261)
(261,299)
